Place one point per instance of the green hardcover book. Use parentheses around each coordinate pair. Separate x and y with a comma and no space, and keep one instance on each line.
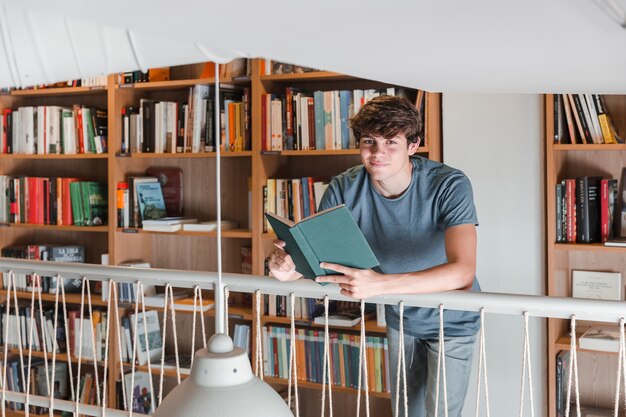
(77,206)
(328,236)
(95,205)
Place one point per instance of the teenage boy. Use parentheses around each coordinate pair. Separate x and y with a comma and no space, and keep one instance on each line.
(419,218)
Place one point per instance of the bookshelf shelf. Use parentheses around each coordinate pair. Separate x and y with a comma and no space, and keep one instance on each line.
(421,150)
(317,386)
(227,234)
(54,156)
(370,325)
(587,247)
(60,357)
(308,76)
(179,84)
(591,147)
(157,370)
(61,91)
(86,229)
(70,298)
(185,155)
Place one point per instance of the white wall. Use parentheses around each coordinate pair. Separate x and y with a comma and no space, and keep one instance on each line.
(497,141)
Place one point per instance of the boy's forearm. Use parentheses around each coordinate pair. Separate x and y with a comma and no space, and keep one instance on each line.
(446,277)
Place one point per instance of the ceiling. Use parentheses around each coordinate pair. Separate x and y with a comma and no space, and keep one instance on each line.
(479,46)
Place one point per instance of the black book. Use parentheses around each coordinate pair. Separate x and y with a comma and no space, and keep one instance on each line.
(588,209)
(54,208)
(147,126)
(581,116)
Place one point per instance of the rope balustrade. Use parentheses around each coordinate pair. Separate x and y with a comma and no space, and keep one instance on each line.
(524,306)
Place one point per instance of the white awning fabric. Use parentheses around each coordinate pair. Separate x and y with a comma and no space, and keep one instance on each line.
(482,46)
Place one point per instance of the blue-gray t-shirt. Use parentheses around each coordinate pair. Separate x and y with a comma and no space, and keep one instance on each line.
(407,233)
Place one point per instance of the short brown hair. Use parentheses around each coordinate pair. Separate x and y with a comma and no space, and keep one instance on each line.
(387,116)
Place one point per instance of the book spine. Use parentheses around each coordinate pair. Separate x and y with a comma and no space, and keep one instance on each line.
(604,210)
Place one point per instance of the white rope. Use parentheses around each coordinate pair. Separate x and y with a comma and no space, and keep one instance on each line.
(441,367)
(141,292)
(118,326)
(482,365)
(326,365)
(293,370)
(135,357)
(80,345)
(175,334)
(106,350)
(30,326)
(93,342)
(60,282)
(55,347)
(573,370)
(620,363)
(6,344)
(42,322)
(226,295)
(401,366)
(193,323)
(258,366)
(202,324)
(363,368)
(19,333)
(527,362)
(162,368)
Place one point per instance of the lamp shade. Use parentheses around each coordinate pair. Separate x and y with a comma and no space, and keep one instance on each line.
(222,384)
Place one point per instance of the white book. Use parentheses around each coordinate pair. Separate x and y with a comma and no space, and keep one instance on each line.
(169,221)
(41,144)
(602,338)
(339,320)
(163,228)
(200,94)
(140,392)
(597,285)
(152,327)
(27,129)
(304,110)
(595,123)
(158,300)
(208,226)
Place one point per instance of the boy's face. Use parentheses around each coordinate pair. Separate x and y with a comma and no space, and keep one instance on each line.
(386,159)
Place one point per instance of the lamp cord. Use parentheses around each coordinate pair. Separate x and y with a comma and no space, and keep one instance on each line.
(293,368)
(258,368)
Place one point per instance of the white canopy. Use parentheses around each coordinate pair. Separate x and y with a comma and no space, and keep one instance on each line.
(522,46)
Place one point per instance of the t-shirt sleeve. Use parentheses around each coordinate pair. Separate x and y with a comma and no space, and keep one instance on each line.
(330,197)
(456,202)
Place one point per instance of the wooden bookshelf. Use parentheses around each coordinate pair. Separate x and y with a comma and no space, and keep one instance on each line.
(571,161)
(189,250)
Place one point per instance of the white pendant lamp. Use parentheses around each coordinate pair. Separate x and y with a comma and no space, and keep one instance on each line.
(221,383)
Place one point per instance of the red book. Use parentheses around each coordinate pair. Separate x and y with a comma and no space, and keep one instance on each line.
(6,113)
(604,210)
(78,122)
(31,200)
(66,202)
(312,208)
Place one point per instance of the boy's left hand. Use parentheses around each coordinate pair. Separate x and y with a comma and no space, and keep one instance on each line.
(355,283)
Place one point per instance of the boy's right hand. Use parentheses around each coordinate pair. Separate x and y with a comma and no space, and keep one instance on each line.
(281,265)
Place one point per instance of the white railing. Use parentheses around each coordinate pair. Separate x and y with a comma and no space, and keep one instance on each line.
(508,304)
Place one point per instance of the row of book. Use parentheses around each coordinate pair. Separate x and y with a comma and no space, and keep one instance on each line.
(172,127)
(293,199)
(44,252)
(33,334)
(583,118)
(46,130)
(344,357)
(16,378)
(320,120)
(52,201)
(586,210)
(155,195)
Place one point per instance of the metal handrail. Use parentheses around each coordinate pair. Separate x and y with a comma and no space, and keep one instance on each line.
(509,304)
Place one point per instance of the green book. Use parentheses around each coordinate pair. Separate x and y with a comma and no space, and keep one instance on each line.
(328,236)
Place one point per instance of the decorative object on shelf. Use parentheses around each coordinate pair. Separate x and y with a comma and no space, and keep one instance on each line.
(597,285)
